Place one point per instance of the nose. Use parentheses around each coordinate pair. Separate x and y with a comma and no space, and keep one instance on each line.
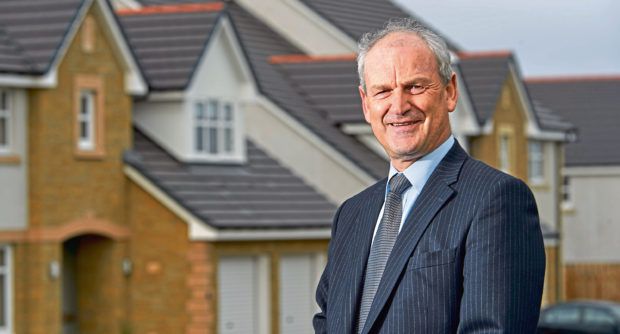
(400,102)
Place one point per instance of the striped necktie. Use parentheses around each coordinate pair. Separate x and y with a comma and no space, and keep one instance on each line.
(382,245)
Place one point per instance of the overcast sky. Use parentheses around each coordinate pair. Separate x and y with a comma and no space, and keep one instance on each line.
(549,37)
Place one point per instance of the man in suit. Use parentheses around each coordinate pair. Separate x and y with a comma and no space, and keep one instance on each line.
(445,244)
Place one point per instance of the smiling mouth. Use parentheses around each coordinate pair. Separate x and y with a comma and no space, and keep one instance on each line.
(402,123)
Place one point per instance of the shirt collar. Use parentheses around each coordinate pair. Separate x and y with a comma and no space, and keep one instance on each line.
(419,172)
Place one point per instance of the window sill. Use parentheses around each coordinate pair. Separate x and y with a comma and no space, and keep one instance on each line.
(89,155)
(10,159)
(568,209)
(539,185)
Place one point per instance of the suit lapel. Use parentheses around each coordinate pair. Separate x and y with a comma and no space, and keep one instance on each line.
(359,235)
(433,197)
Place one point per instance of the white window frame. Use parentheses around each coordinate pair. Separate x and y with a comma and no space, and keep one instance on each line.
(87,143)
(7,272)
(6,114)
(504,153)
(536,162)
(208,117)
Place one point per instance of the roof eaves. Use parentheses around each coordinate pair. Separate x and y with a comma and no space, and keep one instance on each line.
(70,30)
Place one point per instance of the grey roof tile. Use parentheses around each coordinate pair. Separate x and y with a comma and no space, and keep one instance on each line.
(331,86)
(260,43)
(592,105)
(347,15)
(35,30)
(168,46)
(485,77)
(258,194)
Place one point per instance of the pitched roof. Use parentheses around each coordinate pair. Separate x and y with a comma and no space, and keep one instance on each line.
(485,74)
(330,84)
(258,194)
(593,105)
(260,43)
(31,33)
(484,78)
(347,14)
(168,41)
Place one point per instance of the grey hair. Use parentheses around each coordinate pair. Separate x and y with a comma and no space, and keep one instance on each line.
(407,25)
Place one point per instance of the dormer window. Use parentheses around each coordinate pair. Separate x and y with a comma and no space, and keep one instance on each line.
(216,131)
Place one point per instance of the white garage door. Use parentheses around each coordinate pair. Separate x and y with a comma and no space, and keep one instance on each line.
(242,295)
(299,275)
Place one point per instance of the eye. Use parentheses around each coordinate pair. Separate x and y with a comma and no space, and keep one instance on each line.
(417,89)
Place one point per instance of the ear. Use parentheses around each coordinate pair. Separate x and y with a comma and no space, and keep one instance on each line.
(451,93)
(364,107)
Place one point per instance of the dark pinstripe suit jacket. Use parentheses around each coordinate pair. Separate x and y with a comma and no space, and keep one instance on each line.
(469,259)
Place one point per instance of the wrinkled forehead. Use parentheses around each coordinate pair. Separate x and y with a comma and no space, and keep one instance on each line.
(404,45)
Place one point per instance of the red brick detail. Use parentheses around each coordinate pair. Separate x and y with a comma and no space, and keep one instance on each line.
(200,282)
(86,225)
(578,78)
(298,58)
(486,54)
(167,9)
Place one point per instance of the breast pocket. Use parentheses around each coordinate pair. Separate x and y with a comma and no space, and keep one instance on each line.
(432,258)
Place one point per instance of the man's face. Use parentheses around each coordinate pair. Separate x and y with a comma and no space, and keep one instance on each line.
(405,102)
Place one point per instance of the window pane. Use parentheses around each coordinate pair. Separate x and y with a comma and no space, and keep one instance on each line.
(199,111)
(3,100)
(199,146)
(228,113)
(83,130)
(213,140)
(3,131)
(212,113)
(84,107)
(2,299)
(228,140)
(2,257)
(504,154)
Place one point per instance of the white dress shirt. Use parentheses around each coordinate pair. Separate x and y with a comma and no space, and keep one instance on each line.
(417,174)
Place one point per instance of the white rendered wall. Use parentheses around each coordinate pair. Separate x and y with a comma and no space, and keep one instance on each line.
(592,225)
(218,76)
(301,26)
(14,177)
(302,155)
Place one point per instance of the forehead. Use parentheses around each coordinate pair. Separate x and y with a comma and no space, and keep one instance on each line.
(400,49)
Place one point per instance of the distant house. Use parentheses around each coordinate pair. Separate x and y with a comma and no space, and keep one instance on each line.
(591,182)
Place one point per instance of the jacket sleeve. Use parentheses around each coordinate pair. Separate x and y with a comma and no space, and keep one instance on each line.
(319,321)
(504,264)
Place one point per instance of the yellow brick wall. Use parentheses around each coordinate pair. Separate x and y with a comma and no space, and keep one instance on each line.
(159,249)
(509,115)
(65,188)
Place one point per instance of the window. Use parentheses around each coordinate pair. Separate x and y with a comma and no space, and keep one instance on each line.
(567,200)
(88,116)
(504,153)
(216,130)
(86,121)
(536,162)
(6,290)
(5,122)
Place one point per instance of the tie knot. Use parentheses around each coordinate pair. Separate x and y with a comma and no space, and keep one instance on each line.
(399,183)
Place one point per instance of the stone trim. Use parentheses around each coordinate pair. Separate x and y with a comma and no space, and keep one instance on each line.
(86,225)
